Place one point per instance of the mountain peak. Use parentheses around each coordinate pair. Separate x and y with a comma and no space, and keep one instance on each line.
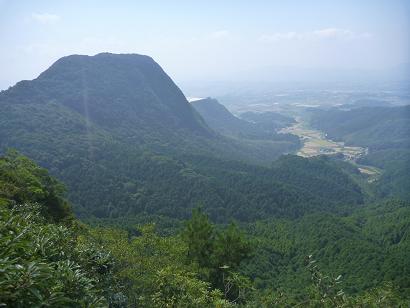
(103,59)
(130,91)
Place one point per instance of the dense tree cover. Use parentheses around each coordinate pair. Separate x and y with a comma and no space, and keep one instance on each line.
(182,270)
(132,150)
(154,270)
(45,262)
(117,131)
(126,98)
(368,248)
(252,126)
(218,254)
(109,178)
(385,131)
(291,187)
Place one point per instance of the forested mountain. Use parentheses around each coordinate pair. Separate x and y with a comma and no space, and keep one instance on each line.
(218,117)
(121,135)
(129,94)
(232,173)
(124,100)
(386,133)
(132,151)
(221,120)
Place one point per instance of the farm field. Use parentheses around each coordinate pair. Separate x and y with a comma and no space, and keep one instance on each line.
(315,143)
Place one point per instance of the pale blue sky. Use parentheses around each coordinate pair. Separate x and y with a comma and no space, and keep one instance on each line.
(205,39)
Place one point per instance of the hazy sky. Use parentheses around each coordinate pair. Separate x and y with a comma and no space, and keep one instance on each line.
(205,39)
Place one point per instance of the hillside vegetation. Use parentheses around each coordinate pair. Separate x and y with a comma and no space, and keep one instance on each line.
(386,133)
(60,262)
(167,206)
(123,138)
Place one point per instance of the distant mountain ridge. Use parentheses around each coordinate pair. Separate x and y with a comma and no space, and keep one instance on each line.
(218,117)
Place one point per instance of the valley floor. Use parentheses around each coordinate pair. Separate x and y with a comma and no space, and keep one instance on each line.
(316,143)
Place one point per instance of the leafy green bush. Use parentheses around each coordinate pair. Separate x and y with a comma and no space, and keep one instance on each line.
(42,264)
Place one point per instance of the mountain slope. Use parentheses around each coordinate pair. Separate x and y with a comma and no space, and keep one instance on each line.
(68,263)
(367,247)
(130,97)
(221,120)
(121,92)
(121,135)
